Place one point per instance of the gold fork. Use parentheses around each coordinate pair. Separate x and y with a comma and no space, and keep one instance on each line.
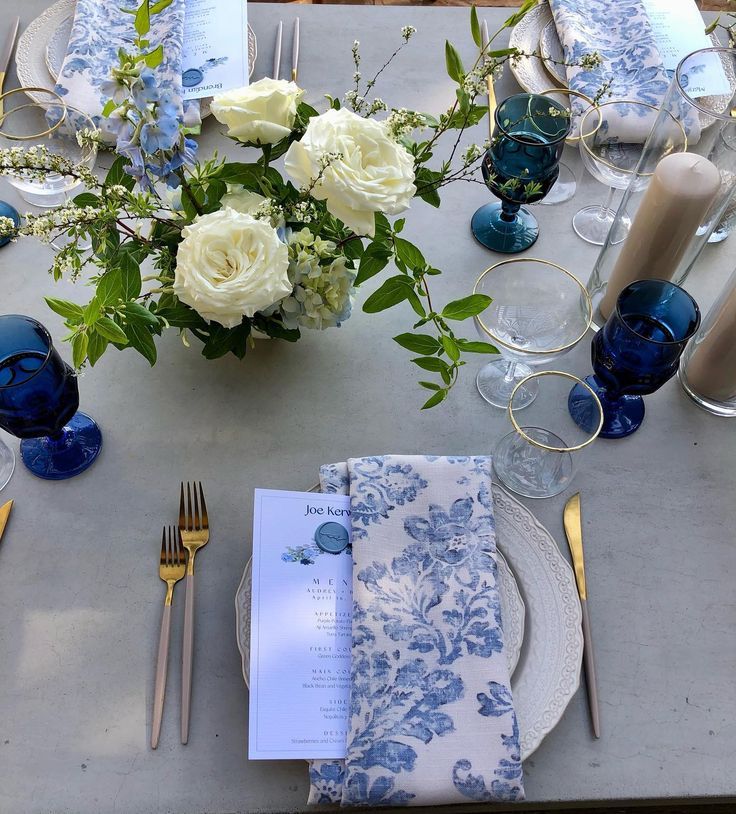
(171,569)
(195,532)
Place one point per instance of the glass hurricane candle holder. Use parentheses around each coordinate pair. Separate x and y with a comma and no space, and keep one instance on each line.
(520,167)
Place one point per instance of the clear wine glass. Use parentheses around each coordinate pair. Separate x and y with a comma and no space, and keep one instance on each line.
(539,457)
(611,153)
(539,312)
(48,122)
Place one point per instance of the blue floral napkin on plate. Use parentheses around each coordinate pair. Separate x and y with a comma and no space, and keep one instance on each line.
(631,67)
(432,720)
(99,29)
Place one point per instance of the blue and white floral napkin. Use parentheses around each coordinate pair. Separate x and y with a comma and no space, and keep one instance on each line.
(432,720)
(632,68)
(99,29)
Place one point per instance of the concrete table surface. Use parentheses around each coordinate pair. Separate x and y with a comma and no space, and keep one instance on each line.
(80,599)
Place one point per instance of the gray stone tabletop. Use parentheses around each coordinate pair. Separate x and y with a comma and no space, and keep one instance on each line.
(80,598)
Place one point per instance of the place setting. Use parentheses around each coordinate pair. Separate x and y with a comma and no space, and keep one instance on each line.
(409,632)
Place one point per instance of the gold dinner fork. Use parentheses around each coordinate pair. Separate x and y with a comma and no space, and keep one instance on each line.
(171,569)
(194,527)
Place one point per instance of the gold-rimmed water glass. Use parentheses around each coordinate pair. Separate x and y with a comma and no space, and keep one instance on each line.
(45,120)
(566,185)
(538,458)
(611,154)
(539,311)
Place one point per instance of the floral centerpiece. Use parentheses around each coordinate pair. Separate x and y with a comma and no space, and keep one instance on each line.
(225,250)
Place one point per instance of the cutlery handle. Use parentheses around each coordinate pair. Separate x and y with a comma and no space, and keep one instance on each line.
(186,658)
(590,678)
(161,666)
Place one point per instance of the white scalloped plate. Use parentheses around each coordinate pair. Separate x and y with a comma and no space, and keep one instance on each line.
(42,47)
(548,671)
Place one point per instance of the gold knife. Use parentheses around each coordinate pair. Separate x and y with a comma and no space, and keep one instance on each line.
(489,82)
(6,53)
(4,515)
(574,533)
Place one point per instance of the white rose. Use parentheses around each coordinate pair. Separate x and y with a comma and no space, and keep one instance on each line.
(230,265)
(373,174)
(242,200)
(262,113)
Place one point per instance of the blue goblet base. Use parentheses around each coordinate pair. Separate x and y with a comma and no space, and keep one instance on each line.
(76,448)
(621,416)
(501,234)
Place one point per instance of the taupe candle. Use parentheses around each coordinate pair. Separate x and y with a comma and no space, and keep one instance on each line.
(682,189)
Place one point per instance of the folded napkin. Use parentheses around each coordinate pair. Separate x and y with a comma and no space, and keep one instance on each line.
(431,715)
(632,68)
(99,29)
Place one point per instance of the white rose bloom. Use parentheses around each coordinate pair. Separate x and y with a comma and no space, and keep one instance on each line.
(263,112)
(373,174)
(230,265)
(241,199)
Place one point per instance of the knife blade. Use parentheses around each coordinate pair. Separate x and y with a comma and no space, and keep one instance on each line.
(489,83)
(574,533)
(4,515)
(295,52)
(277,50)
(6,52)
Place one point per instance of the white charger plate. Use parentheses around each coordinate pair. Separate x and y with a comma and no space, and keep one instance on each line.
(548,670)
(42,48)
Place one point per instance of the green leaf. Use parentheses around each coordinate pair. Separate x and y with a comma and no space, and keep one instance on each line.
(418,343)
(466,307)
(515,18)
(453,62)
(393,291)
(712,27)
(475,27)
(97,346)
(249,175)
(143,19)
(468,346)
(432,363)
(71,312)
(130,277)
(135,312)
(451,349)
(431,385)
(92,311)
(181,316)
(426,182)
(111,331)
(399,225)
(154,58)
(416,303)
(110,105)
(160,6)
(117,175)
(80,343)
(110,287)
(375,258)
(435,399)
(86,199)
(409,254)
(140,338)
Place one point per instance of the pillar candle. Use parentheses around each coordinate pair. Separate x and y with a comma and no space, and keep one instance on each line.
(711,368)
(681,191)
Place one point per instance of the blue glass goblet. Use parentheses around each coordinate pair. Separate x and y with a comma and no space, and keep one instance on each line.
(39,401)
(521,166)
(635,353)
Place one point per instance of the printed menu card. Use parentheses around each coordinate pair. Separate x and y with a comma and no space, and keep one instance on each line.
(301,614)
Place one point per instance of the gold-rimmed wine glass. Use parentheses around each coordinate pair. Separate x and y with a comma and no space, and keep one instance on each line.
(538,457)
(611,154)
(539,311)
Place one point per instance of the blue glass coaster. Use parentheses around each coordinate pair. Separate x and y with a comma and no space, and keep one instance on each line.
(503,235)
(621,416)
(77,447)
(8,211)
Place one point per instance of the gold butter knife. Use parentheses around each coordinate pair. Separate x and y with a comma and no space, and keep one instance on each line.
(4,515)
(5,54)
(489,83)
(574,533)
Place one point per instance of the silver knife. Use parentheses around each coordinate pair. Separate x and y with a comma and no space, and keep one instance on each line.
(574,533)
(277,51)
(4,515)
(6,53)
(295,52)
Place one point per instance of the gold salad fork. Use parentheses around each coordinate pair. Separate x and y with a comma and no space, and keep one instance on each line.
(171,569)
(194,527)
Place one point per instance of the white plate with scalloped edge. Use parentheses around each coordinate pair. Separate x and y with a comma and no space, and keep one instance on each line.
(548,671)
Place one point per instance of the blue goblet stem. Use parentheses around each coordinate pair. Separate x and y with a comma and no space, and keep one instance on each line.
(509,210)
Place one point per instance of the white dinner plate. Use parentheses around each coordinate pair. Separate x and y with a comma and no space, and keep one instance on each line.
(548,670)
(42,47)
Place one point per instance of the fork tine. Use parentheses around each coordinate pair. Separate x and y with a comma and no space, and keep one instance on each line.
(180,555)
(197,524)
(171,547)
(205,519)
(190,514)
(182,513)
(162,558)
